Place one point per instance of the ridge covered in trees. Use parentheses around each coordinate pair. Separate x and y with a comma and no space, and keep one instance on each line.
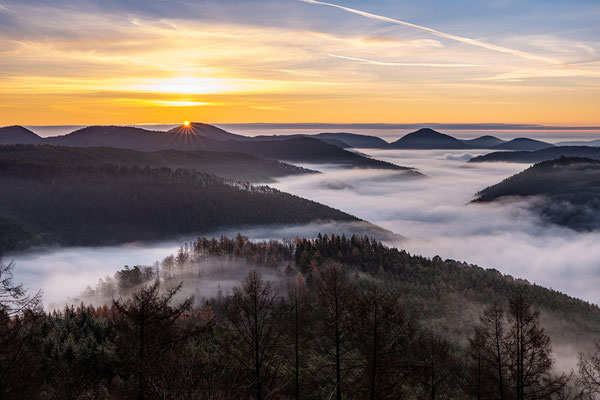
(566,191)
(45,203)
(197,136)
(228,165)
(338,324)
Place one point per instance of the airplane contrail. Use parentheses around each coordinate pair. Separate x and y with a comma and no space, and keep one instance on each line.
(473,42)
(397,64)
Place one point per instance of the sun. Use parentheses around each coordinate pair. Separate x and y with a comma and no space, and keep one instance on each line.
(186,123)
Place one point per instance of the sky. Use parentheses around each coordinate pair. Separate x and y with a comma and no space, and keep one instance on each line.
(299,61)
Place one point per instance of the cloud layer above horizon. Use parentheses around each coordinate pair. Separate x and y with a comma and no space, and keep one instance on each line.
(92,62)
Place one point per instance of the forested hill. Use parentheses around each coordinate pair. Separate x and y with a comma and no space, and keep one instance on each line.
(393,317)
(305,149)
(196,136)
(442,291)
(540,155)
(91,205)
(230,165)
(569,189)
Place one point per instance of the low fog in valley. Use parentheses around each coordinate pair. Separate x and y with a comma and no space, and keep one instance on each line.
(433,213)
(436,216)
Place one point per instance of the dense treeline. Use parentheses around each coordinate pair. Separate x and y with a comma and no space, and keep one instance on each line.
(537,156)
(343,330)
(94,205)
(226,164)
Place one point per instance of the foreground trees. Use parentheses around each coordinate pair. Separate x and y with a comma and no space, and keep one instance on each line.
(385,335)
(589,370)
(334,331)
(19,341)
(147,328)
(256,333)
(510,355)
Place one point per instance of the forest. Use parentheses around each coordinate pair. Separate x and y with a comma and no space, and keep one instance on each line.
(565,191)
(349,319)
(56,203)
(228,165)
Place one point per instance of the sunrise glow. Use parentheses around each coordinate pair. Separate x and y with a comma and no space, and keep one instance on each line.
(378,62)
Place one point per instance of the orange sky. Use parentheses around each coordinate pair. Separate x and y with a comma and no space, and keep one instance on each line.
(90,68)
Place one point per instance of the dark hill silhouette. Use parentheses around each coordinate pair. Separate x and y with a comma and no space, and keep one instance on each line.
(229,165)
(207,137)
(110,204)
(427,138)
(114,136)
(18,135)
(205,131)
(590,143)
(483,142)
(335,142)
(550,153)
(524,144)
(566,191)
(355,140)
(303,149)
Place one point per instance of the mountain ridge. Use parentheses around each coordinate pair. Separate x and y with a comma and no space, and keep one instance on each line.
(546,154)
(202,137)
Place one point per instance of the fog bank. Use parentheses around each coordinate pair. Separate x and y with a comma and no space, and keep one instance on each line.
(436,216)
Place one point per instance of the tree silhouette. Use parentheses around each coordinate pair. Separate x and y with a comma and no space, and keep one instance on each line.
(589,370)
(147,329)
(256,331)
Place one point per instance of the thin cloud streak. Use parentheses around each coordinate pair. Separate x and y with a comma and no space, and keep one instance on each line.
(461,39)
(397,64)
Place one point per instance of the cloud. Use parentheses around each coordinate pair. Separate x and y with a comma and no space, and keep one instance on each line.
(461,39)
(398,64)
(437,217)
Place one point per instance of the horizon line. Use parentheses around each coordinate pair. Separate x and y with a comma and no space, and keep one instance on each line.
(375,125)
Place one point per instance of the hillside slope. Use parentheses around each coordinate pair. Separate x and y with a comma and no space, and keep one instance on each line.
(18,135)
(523,144)
(229,165)
(427,138)
(483,142)
(90,205)
(448,294)
(567,191)
(355,140)
(540,155)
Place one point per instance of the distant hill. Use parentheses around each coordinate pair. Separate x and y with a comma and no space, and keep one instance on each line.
(210,138)
(18,135)
(428,139)
(335,142)
(115,136)
(340,139)
(590,143)
(550,153)
(483,142)
(304,149)
(524,144)
(205,131)
(355,140)
(569,189)
(229,165)
(90,205)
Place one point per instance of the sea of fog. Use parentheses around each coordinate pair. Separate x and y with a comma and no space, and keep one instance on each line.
(434,213)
